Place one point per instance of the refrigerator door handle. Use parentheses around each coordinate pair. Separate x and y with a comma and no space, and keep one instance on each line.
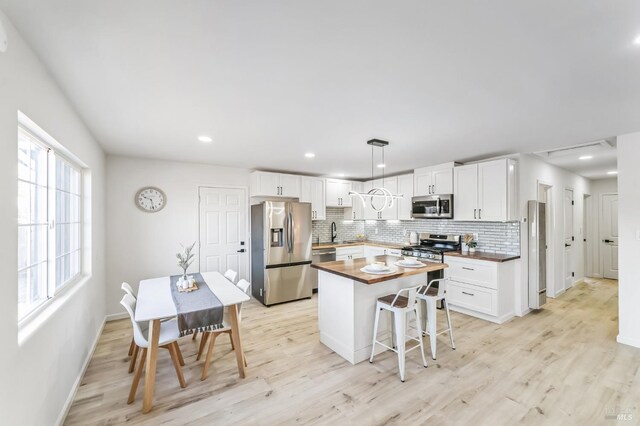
(292,225)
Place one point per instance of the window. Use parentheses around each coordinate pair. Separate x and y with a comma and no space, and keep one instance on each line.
(49,221)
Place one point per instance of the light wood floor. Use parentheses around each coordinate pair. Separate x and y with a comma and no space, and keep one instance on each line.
(560,365)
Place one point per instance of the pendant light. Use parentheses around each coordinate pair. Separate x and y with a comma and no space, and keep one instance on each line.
(377,192)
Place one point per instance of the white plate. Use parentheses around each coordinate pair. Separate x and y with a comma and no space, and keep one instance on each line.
(410,265)
(378,272)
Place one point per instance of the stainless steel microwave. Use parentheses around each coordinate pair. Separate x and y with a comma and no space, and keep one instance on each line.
(432,207)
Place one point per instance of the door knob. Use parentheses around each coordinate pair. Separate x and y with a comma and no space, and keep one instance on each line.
(607,241)
(567,245)
(241,251)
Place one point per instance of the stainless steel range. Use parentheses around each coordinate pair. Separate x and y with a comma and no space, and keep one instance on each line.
(432,247)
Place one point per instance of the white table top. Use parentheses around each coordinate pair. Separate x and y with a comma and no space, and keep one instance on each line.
(155,300)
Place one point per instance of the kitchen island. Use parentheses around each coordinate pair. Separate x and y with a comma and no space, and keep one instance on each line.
(347,301)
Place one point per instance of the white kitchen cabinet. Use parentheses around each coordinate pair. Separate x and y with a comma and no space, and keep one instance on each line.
(433,180)
(356,211)
(481,288)
(312,191)
(486,191)
(405,187)
(389,213)
(337,193)
(371,251)
(349,253)
(266,184)
(465,192)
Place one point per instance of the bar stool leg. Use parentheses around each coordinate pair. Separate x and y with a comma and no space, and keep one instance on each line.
(446,308)
(419,327)
(400,321)
(375,333)
(431,324)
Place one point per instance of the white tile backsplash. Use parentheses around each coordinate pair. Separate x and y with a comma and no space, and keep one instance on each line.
(495,237)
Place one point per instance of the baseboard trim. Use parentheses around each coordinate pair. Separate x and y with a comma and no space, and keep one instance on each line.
(83,370)
(628,341)
(115,317)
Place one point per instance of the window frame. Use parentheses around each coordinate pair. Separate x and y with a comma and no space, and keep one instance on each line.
(54,151)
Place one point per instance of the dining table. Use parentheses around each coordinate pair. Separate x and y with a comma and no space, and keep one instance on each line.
(155,303)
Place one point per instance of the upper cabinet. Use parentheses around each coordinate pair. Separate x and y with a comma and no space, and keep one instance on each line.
(312,191)
(405,187)
(266,184)
(389,213)
(433,180)
(338,193)
(486,191)
(356,211)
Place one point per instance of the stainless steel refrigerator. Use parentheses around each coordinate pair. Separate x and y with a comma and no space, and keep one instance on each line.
(281,251)
(537,254)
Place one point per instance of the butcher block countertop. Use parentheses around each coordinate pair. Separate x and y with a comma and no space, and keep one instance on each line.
(351,269)
(356,243)
(481,255)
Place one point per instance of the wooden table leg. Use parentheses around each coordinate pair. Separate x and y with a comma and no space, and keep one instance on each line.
(150,371)
(235,337)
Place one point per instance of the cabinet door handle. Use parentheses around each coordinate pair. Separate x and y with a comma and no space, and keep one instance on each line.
(474,213)
(479,213)
(468,269)
(468,294)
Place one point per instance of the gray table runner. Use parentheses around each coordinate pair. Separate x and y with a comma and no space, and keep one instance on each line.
(198,310)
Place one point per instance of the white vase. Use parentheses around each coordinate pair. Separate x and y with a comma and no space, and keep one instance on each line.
(465,247)
(472,249)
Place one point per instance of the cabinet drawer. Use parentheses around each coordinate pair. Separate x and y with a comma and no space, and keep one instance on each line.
(394,252)
(481,274)
(357,250)
(473,298)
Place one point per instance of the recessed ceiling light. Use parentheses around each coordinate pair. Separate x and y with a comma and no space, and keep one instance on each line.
(585,157)
(205,139)
(309,155)
(382,166)
(612,172)
(636,41)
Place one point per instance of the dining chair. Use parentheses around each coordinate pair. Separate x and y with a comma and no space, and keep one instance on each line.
(231,275)
(243,285)
(169,335)
(400,306)
(126,287)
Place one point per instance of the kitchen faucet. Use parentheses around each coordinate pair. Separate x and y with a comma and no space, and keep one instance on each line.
(334,231)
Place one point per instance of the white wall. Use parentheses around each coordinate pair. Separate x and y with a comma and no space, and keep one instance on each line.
(144,245)
(38,374)
(629,245)
(532,171)
(598,188)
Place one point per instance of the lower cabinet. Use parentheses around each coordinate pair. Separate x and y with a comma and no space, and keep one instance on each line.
(482,289)
(370,251)
(349,253)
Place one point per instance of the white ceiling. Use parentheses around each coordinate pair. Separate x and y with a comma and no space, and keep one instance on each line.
(604,159)
(271,80)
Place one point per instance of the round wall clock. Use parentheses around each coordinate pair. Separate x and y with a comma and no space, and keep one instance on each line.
(150,199)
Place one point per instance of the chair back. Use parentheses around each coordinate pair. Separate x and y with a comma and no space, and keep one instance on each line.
(231,275)
(129,303)
(243,285)
(411,293)
(128,289)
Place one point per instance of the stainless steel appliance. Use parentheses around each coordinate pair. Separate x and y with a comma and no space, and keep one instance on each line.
(433,247)
(280,251)
(432,207)
(537,254)
(319,256)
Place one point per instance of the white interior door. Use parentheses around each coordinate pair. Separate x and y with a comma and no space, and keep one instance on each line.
(223,230)
(568,239)
(609,234)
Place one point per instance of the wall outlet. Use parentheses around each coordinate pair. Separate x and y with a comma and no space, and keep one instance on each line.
(475,236)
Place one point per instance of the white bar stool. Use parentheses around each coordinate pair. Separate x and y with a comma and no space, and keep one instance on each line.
(431,297)
(400,306)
